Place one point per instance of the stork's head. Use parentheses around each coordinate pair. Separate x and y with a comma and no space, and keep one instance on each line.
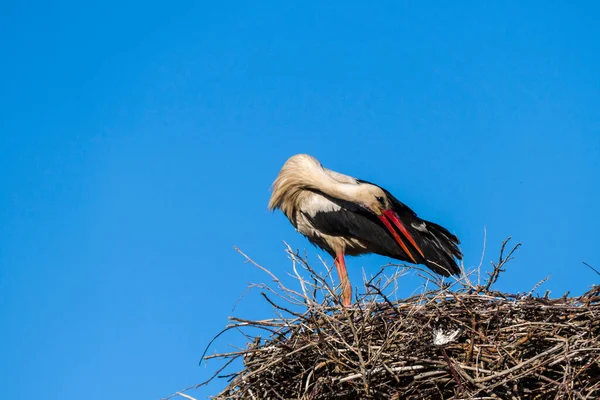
(375,200)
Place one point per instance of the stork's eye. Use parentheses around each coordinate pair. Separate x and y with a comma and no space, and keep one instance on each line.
(380,199)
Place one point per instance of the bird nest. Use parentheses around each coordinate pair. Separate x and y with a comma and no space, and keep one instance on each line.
(457,341)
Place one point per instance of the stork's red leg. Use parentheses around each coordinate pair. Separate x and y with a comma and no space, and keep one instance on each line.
(344,281)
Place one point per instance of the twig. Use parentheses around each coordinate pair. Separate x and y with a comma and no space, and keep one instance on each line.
(590,267)
(493,277)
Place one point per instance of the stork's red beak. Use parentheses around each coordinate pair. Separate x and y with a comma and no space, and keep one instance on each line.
(390,215)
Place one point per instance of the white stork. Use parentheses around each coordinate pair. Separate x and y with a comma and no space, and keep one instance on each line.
(348,216)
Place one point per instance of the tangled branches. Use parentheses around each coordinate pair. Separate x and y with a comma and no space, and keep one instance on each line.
(461,342)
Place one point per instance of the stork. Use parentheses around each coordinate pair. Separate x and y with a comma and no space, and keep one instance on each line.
(344,215)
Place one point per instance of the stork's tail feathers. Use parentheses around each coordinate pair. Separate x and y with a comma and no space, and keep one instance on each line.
(439,247)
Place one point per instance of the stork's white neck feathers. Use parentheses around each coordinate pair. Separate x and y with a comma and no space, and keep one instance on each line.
(302,172)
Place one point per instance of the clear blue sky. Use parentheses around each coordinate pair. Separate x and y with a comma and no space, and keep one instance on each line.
(139,141)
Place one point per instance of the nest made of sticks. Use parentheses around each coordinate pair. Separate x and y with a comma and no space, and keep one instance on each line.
(458,341)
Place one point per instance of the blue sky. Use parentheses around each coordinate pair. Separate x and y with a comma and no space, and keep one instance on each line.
(139,141)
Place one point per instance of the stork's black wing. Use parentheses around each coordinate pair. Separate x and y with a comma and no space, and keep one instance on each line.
(439,246)
(353,222)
